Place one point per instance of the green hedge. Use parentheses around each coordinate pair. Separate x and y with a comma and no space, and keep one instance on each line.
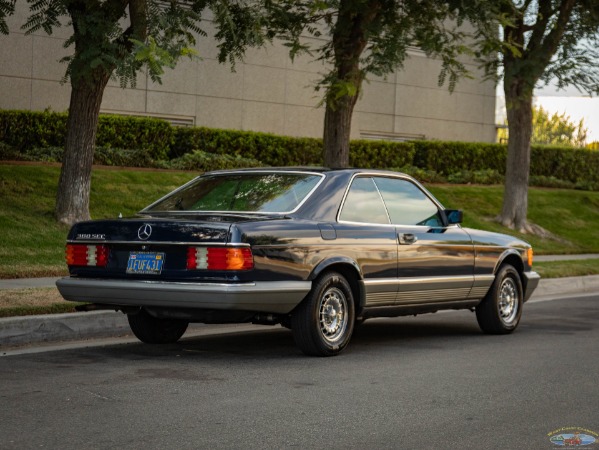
(451,157)
(272,150)
(579,166)
(146,142)
(24,130)
(380,154)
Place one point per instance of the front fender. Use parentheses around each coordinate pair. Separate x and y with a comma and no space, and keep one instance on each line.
(510,255)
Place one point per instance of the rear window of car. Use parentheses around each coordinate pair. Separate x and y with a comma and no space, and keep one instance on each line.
(241,192)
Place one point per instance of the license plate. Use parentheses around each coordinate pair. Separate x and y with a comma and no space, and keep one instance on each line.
(145,263)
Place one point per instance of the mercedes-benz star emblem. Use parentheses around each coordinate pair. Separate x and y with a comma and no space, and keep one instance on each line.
(144,231)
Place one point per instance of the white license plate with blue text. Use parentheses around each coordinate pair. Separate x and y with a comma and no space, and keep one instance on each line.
(145,263)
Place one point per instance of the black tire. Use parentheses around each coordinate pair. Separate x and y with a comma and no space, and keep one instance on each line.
(151,330)
(501,309)
(323,323)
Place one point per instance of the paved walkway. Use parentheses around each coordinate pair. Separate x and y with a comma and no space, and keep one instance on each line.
(24,283)
(544,258)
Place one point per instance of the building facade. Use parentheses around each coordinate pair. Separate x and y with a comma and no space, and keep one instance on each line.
(267,92)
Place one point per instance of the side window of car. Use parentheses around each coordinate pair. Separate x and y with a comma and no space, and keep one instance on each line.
(364,203)
(407,204)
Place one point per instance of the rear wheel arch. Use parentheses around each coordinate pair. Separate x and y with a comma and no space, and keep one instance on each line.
(350,271)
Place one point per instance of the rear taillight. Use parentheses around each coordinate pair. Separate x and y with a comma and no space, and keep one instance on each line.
(220,258)
(87,255)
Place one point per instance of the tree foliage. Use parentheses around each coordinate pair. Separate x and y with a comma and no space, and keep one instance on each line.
(539,42)
(123,36)
(553,129)
(557,129)
(359,38)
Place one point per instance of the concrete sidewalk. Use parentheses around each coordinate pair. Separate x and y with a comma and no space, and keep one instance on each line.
(27,330)
(26,283)
(545,258)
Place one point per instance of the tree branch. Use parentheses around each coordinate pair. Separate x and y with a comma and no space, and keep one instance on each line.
(525,6)
(551,43)
(138,28)
(539,29)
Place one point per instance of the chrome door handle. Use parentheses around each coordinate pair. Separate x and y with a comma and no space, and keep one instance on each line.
(407,238)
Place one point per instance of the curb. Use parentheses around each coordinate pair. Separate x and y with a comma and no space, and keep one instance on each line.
(570,285)
(26,330)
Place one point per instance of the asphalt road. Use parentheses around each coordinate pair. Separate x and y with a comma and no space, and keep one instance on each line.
(429,382)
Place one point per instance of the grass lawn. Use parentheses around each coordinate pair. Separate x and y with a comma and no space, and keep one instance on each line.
(573,216)
(27,302)
(32,243)
(573,268)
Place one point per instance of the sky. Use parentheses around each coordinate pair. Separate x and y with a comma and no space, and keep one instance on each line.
(569,101)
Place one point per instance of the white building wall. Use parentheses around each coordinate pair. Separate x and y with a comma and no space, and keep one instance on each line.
(267,92)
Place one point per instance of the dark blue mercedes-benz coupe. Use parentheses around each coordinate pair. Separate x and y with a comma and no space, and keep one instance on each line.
(315,250)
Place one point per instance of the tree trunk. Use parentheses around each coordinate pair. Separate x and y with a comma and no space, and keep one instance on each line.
(337,129)
(515,199)
(72,199)
(349,41)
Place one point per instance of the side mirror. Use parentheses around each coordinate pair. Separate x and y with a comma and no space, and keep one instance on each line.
(454,216)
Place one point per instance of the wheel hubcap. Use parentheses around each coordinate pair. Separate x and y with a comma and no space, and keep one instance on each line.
(333,314)
(508,301)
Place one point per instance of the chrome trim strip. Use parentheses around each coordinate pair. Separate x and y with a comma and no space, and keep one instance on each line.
(305,172)
(417,290)
(193,243)
(417,281)
(404,310)
(483,280)
(478,292)
(432,295)
(278,297)
(381,298)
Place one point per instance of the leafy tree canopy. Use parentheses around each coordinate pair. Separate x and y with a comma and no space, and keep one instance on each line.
(121,36)
(373,36)
(543,41)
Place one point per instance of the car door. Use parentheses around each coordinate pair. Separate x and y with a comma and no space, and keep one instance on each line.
(365,234)
(435,260)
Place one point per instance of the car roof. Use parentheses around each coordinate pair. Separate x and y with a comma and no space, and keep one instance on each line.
(350,170)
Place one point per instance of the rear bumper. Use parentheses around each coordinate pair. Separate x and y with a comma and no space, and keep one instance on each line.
(531,281)
(278,297)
